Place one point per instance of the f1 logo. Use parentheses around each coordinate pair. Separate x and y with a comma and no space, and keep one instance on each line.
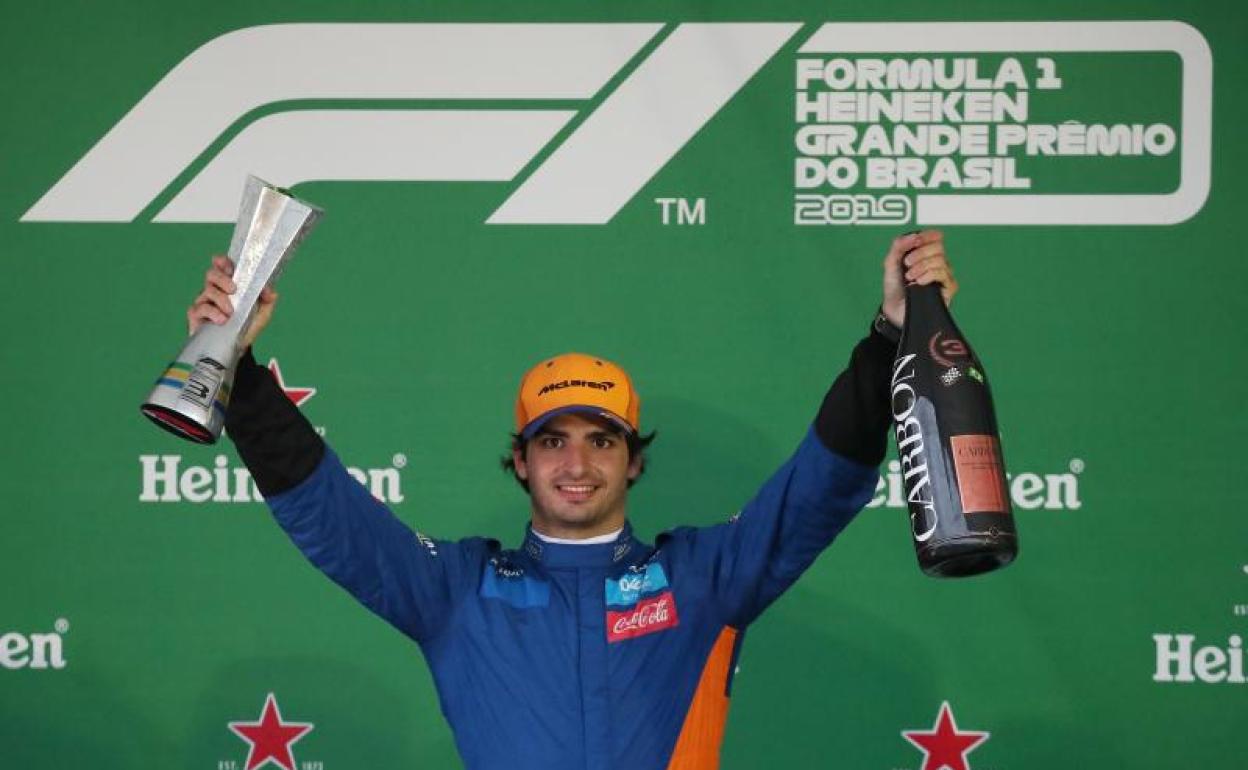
(662,103)
(672,80)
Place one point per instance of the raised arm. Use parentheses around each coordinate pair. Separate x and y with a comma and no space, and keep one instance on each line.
(810,499)
(406,578)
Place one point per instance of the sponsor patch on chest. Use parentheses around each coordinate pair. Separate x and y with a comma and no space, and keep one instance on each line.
(627,589)
(647,617)
(505,581)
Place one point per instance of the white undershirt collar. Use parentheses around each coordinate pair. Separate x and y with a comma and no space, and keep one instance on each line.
(598,540)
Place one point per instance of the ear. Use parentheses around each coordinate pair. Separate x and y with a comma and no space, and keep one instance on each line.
(522,470)
(634,466)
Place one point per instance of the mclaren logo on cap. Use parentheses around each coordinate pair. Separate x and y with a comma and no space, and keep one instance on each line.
(552,387)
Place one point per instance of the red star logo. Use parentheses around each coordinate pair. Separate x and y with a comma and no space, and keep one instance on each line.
(270,738)
(296,395)
(945,746)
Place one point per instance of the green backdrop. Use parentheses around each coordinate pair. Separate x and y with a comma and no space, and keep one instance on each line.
(143,609)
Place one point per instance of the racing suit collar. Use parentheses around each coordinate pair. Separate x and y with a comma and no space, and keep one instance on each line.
(560,555)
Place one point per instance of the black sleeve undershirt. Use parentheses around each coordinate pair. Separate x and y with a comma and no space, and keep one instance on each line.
(854,418)
(276,442)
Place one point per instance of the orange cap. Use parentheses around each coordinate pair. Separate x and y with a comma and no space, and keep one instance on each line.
(576,382)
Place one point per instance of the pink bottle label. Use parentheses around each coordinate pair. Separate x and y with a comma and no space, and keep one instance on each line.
(981,479)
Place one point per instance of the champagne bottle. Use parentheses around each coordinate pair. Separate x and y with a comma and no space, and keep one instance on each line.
(948,445)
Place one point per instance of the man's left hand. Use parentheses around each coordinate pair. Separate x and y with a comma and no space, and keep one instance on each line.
(923,255)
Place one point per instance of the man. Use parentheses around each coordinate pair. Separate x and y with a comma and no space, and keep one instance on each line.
(585,647)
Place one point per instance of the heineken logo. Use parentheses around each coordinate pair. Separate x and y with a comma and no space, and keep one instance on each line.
(270,739)
(36,650)
(170,478)
(1180,658)
(945,746)
(1057,491)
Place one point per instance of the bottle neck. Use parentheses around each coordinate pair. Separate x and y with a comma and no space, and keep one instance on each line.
(923,302)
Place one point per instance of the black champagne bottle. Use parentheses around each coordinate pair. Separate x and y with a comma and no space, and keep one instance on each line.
(948,444)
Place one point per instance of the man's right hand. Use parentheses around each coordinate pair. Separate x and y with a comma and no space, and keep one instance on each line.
(213,303)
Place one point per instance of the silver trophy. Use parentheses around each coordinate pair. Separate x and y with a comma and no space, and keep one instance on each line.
(190,398)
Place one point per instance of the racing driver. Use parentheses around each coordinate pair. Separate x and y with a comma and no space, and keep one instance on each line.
(584,648)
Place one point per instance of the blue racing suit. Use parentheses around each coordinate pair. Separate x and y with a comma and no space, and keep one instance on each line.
(608,656)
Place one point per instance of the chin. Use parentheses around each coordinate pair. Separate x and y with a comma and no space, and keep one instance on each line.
(575,519)
(572,518)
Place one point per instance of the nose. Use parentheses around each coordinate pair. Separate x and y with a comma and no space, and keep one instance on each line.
(577,458)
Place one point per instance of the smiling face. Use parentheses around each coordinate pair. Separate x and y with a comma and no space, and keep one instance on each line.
(578,470)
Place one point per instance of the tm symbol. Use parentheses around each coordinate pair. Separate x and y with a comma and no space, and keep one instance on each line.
(687,212)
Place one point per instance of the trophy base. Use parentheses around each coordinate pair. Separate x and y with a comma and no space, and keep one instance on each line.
(177,423)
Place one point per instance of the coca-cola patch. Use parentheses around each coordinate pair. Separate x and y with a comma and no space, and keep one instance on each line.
(653,614)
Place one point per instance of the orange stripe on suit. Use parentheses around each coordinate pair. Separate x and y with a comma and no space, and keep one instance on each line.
(697,748)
